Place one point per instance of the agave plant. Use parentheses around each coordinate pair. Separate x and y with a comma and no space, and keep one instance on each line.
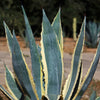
(46,80)
(93,96)
(92,32)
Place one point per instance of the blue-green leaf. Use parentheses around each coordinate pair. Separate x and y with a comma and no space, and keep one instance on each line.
(89,75)
(6,93)
(43,75)
(12,86)
(93,96)
(98,98)
(78,81)
(91,34)
(22,71)
(35,58)
(8,36)
(75,64)
(56,25)
(51,59)
(58,29)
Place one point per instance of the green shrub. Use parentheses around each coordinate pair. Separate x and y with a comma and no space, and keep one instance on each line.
(46,80)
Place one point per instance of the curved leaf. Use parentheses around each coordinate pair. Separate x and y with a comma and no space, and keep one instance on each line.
(78,81)
(12,86)
(75,64)
(77,84)
(89,75)
(6,93)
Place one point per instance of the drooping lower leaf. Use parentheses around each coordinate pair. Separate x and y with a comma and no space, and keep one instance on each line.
(9,96)
(11,85)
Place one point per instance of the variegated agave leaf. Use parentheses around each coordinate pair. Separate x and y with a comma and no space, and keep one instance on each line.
(14,91)
(11,85)
(89,75)
(51,59)
(98,98)
(24,77)
(56,25)
(75,65)
(9,37)
(22,71)
(79,79)
(7,94)
(35,58)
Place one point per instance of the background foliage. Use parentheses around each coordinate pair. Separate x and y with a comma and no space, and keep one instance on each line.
(11,12)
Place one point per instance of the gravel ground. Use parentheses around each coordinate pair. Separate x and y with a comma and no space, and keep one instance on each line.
(86,59)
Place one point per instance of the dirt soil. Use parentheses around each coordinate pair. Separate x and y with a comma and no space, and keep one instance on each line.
(69,44)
